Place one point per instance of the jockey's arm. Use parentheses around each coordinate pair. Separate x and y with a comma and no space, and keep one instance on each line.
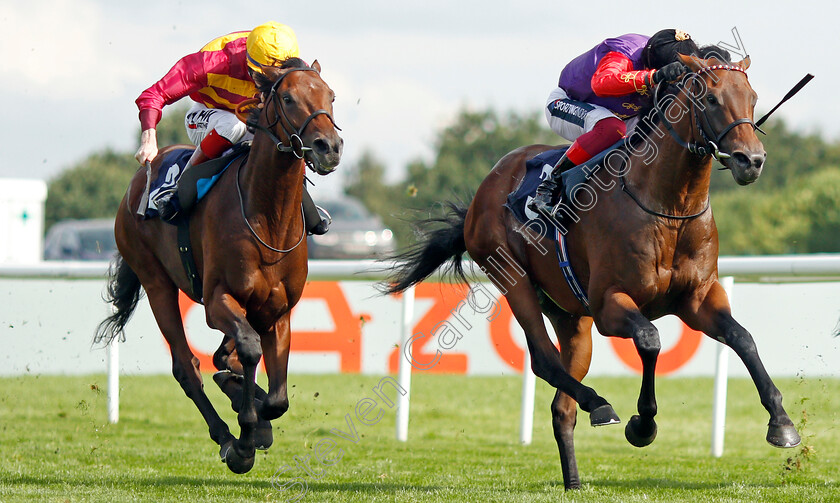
(188,75)
(615,76)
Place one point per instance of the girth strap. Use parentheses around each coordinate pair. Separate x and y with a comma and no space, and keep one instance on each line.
(188,261)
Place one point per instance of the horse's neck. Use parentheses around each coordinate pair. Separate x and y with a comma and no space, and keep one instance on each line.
(272,187)
(676,180)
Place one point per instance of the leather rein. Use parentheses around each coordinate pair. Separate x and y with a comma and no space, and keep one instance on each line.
(710,141)
(296,146)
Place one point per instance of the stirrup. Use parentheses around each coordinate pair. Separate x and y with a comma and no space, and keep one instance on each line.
(324,225)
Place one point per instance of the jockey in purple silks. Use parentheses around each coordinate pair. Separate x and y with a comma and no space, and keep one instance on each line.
(600,93)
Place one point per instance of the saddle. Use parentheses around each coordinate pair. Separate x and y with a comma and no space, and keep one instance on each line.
(199,181)
(538,168)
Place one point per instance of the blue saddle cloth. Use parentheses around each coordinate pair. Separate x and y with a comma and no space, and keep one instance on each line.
(536,170)
(170,172)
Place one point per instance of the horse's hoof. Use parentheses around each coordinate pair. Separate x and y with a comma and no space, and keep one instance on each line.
(603,415)
(263,436)
(783,436)
(638,433)
(237,463)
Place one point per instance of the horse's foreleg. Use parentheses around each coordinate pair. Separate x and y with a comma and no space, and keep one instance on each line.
(275,403)
(229,316)
(712,316)
(276,354)
(574,335)
(164,304)
(229,376)
(619,316)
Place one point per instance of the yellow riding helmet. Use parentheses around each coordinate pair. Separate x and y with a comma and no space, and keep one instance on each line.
(271,44)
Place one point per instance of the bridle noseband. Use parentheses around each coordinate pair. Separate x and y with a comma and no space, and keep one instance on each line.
(710,142)
(296,145)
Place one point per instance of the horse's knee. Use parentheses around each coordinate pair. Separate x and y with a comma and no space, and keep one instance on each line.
(249,349)
(274,406)
(647,340)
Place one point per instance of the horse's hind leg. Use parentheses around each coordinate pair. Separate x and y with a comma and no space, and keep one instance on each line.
(619,316)
(545,359)
(712,316)
(575,337)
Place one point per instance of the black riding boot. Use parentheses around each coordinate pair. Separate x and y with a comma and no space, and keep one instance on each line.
(168,205)
(541,203)
(314,221)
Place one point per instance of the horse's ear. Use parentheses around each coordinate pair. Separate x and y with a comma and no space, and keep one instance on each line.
(316,66)
(261,80)
(692,62)
(744,63)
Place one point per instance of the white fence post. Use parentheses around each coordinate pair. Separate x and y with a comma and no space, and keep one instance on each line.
(529,384)
(404,376)
(721,367)
(113,350)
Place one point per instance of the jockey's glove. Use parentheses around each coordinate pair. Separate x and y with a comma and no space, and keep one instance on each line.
(669,73)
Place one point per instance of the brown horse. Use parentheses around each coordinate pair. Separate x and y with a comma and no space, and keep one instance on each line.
(250,249)
(642,246)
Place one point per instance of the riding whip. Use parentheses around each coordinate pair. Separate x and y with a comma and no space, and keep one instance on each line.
(144,200)
(798,87)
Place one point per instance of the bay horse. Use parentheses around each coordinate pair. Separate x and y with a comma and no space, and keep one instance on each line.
(645,247)
(250,250)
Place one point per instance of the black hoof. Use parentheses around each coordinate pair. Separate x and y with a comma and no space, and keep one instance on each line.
(263,437)
(638,433)
(783,436)
(235,462)
(603,415)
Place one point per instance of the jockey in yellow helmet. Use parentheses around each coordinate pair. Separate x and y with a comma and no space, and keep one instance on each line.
(217,78)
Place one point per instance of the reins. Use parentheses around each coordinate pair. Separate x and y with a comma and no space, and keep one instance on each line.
(709,147)
(253,232)
(295,147)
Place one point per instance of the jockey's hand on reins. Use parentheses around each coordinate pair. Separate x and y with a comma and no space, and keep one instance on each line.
(670,72)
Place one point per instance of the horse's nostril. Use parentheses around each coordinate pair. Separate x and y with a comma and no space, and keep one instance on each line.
(320,145)
(742,159)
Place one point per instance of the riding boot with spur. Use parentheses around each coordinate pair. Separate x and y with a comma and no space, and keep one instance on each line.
(316,219)
(167,205)
(548,188)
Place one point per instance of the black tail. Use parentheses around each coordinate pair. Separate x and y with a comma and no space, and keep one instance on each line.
(124,293)
(435,248)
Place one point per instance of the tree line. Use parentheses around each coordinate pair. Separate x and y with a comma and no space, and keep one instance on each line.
(794,207)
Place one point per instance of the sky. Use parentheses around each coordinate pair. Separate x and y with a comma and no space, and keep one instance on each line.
(401,70)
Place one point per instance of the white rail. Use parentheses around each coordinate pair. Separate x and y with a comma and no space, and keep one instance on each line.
(767,268)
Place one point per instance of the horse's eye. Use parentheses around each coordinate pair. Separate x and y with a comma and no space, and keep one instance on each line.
(287,100)
(710,98)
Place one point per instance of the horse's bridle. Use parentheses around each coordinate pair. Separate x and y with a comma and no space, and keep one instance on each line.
(710,142)
(709,146)
(296,145)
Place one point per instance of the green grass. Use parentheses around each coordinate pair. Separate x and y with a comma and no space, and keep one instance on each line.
(58,447)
